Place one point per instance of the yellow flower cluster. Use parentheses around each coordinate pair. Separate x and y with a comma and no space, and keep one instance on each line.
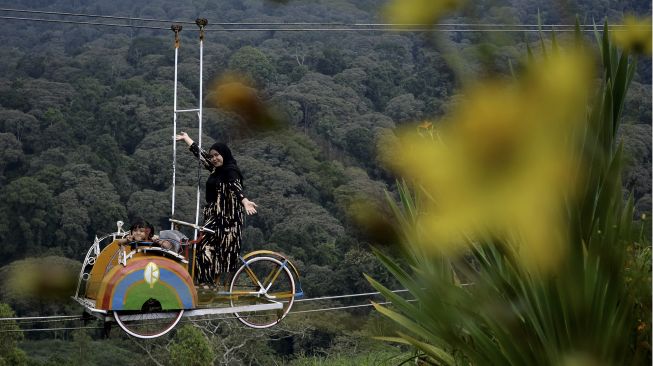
(419,11)
(634,36)
(501,164)
(232,93)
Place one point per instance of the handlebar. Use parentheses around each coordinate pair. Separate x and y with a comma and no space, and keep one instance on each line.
(196,227)
(136,243)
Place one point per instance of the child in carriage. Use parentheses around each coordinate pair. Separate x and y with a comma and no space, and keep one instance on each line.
(139,231)
(142,231)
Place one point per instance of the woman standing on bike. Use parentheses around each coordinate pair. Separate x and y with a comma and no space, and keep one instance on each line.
(223,212)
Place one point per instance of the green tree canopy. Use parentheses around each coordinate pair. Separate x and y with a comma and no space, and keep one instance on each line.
(254,64)
(191,348)
(10,335)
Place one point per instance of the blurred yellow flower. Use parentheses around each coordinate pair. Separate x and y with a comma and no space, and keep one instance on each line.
(232,93)
(373,221)
(418,11)
(502,164)
(635,36)
(554,82)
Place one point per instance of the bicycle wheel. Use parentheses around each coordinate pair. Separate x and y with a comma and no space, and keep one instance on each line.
(151,322)
(262,280)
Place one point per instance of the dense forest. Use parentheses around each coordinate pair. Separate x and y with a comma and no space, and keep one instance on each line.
(85,141)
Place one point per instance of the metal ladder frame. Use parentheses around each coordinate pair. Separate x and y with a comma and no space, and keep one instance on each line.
(201,23)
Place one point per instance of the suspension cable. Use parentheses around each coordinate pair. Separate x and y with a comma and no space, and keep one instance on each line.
(40,317)
(19,322)
(55,318)
(46,329)
(343,307)
(208,319)
(346,296)
(93,16)
(29,11)
(84,23)
(160,20)
(60,318)
(349,28)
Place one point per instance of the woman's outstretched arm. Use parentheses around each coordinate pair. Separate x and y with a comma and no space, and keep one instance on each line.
(194,148)
(237,188)
(184,136)
(250,207)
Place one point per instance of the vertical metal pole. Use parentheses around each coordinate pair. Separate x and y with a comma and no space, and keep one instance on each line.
(175,28)
(201,23)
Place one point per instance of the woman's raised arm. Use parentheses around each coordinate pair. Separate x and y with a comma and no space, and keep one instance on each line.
(199,153)
(184,136)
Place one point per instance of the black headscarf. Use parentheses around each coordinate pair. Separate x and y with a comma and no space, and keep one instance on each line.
(229,170)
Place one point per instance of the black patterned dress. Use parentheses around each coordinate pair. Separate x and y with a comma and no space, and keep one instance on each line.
(218,253)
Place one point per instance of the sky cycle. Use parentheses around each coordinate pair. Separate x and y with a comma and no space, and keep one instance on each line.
(147,289)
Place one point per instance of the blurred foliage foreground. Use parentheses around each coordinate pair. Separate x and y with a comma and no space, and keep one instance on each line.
(519,244)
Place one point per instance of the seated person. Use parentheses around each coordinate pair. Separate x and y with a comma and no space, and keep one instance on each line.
(139,231)
(142,231)
(171,240)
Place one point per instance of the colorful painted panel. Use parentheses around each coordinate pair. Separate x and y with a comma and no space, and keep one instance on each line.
(145,278)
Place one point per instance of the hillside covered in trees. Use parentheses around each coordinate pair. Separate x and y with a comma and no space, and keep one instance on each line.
(86,126)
